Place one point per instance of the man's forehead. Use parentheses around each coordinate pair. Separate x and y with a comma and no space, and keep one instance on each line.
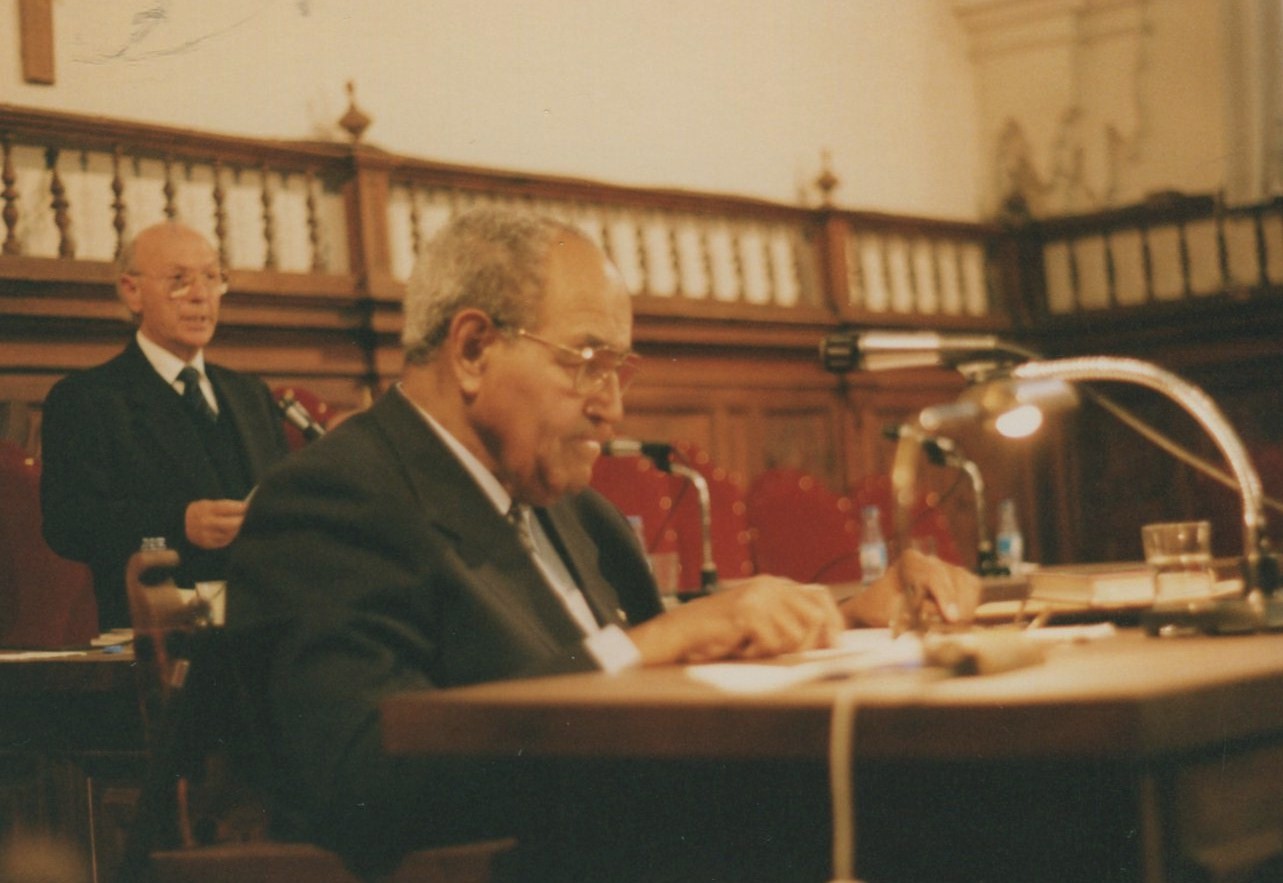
(181,248)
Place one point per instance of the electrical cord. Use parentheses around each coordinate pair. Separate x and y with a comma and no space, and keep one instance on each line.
(842,783)
(1155,437)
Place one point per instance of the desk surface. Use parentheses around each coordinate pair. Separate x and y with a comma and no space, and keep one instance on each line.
(1127,698)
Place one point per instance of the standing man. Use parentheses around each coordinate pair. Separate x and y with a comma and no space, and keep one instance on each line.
(448,536)
(156,442)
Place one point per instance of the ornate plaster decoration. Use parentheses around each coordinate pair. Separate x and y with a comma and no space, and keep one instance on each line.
(1061,136)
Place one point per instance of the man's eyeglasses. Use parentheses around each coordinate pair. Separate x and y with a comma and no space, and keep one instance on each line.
(593,365)
(179,285)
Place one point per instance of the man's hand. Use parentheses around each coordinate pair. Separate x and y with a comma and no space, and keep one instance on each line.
(754,618)
(948,590)
(212,524)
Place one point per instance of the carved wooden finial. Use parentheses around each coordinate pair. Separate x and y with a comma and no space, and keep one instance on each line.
(826,182)
(355,121)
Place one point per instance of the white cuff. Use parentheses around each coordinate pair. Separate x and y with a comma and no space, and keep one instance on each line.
(612,649)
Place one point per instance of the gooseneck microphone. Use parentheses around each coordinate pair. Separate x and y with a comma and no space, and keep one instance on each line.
(659,452)
(299,417)
(941,451)
(662,456)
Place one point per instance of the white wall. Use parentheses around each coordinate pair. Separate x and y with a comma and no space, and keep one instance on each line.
(1101,101)
(738,96)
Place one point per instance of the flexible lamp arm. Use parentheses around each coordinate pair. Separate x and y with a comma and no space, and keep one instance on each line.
(1204,411)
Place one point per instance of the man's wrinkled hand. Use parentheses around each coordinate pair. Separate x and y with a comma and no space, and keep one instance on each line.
(752,619)
(948,592)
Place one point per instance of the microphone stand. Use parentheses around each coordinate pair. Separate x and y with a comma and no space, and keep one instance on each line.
(943,452)
(708,568)
(662,456)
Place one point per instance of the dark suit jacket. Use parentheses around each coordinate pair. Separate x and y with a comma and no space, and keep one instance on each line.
(122,460)
(374,563)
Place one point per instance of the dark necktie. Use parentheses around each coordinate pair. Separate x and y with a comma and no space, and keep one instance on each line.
(193,397)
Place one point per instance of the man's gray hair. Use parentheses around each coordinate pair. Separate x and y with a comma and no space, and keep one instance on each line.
(490,259)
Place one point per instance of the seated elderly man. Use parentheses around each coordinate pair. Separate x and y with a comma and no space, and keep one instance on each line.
(447,536)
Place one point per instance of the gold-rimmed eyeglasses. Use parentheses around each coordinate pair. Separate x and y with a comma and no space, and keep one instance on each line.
(593,365)
(179,284)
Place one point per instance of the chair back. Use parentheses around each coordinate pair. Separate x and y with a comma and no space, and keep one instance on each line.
(801,529)
(928,527)
(46,601)
(731,537)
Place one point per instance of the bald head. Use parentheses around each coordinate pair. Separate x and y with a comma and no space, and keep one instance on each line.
(171,280)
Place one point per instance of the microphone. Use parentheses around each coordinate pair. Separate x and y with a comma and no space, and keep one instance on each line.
(889,350)
(298,416)
(659,452)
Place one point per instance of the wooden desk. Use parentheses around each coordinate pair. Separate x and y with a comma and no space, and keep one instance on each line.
(1127,759)
(71,750)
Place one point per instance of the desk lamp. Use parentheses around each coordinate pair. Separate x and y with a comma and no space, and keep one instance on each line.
(1043,385)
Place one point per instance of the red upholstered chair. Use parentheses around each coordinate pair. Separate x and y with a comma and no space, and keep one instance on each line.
(928,527)
(731,537)
(803,530)
(45,601)
(643,493)
(312,403)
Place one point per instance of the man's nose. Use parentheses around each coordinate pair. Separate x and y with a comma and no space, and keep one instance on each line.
(607,403)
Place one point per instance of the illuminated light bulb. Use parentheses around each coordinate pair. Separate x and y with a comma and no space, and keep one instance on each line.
(1020,422)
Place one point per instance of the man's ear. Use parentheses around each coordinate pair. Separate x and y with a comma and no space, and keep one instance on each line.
(471,335)
(131,295)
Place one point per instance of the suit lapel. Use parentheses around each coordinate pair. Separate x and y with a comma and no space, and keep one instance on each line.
(486,542)
(581,557)
(242,405)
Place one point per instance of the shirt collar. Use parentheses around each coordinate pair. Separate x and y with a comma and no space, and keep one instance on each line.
(490,485)
(167,364)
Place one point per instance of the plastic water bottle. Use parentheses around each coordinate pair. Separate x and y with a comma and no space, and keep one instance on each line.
(873,547)
(1009,542)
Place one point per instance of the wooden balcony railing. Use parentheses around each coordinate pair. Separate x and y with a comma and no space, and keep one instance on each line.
(321,236)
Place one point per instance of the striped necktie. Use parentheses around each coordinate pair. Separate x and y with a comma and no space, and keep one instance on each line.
(194,397)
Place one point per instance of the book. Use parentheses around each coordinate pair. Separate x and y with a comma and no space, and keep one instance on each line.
(1113,585)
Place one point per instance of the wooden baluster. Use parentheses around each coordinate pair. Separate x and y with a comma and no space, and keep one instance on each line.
(1147,263)
(607,246)
(768,266)
(119,216)
(1262,253)
(416,234)
(675,260)
(737,262)
(313,223)
(1222,244)
(706,259)
(60,205)
(1187,284)
(171,207)
(960,266)
(220,214)
(643,257)
(1111,271)
(856,293)
(937,277)
(911,277)
(10,195)
(1075,288)
(269,220)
